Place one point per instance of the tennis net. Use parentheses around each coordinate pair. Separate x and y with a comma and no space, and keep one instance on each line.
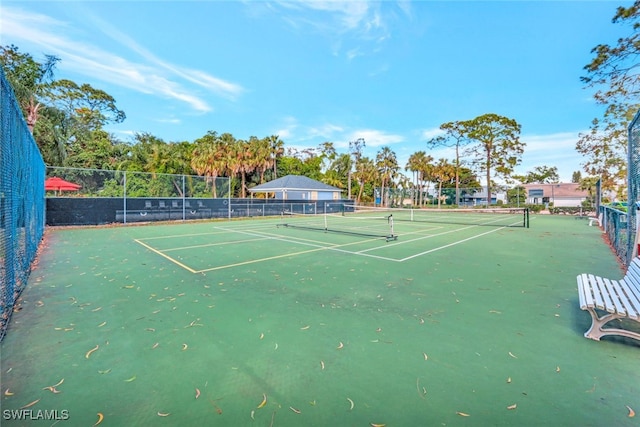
(496,217)
(342,224)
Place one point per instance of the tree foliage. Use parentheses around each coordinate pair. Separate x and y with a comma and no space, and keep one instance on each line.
(496,148)
(540,175)
(456,135)
(614,71)
(28,79)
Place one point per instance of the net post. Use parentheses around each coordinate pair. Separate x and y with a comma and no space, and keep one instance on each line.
(526,217)
(124,198)
(184,209)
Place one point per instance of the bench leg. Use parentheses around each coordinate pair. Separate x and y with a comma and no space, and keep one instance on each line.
(596,331)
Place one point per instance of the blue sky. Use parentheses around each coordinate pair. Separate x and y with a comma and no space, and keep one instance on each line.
(390,72)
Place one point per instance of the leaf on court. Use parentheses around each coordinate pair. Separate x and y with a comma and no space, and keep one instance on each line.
(631,412)
(462,414)
(514,406)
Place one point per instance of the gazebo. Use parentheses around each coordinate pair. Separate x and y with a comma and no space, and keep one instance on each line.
(297,187)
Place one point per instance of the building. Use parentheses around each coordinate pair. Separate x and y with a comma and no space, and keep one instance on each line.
(558,195)
(297,187)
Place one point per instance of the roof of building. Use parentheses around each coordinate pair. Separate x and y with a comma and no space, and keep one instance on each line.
(571,189)
(293,182)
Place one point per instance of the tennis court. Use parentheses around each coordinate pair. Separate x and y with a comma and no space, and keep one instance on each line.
(318,320)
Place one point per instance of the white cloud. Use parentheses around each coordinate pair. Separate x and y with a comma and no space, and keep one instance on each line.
(428,134)
(375,138)
(153,76)
(352,26)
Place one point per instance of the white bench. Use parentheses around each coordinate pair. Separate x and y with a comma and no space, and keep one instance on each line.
(597,220)
(619,299)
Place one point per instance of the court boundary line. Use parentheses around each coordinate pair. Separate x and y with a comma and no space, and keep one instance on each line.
(317,246)
(175,261)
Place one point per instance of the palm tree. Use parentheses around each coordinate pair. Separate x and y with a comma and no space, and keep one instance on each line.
(365,172)
(277,150)
(208,158)
(28,78)
(441,173)
(418,163)
(387,165)
(262,153)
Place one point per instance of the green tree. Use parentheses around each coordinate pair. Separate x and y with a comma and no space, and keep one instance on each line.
(93,108)
(442,173)
(589,184)
(365,173)
(208,158)
(328,154)
(576,177)
(456,135)
(541,175)
(517,195)
(277,150)
(419,163)
(28,79)
(496,147)
(614,71)
(339,171)
(355,151)
(467,184)
(387,165)
(263,156)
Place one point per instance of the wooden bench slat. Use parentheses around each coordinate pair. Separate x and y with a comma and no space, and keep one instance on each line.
(582,291)
(603,302)
(616,295)
(632,294)
(597,295)
(630,300)
(632,282)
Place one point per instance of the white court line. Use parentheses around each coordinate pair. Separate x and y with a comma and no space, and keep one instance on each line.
(451,244)
(214,244)
(198,234)
(316,249)
(317,245)
(320,244)
(173,236)
(165,256)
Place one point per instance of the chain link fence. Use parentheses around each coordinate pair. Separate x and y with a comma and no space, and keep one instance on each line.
(22,209)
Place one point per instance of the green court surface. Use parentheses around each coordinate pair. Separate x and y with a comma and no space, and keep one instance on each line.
(251,323)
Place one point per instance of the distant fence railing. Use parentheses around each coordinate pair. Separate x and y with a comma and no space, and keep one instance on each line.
(88,194)
(633,186)
(96,196)
(21,202)
(617,226)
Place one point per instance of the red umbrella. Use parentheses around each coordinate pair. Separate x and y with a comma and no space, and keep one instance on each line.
(58,184)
